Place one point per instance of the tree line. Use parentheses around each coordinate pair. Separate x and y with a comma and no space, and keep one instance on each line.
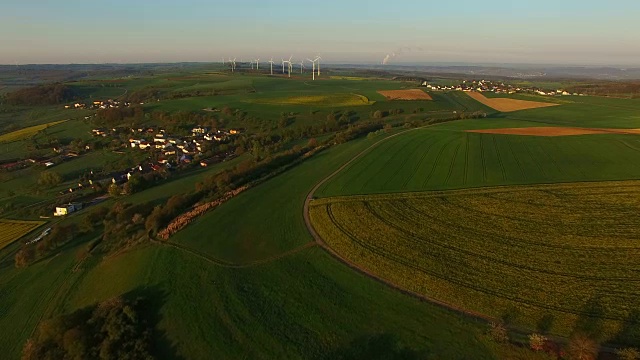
(114,329)
(49,94)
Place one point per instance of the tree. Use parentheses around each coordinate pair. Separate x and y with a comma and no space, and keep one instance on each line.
(378,114)
(387,128)
(114,190)
(498,332)
(25,256)
(154,220)
(628,354)
(49,178)
(74,342)
(581,347)
(312,143)
(537,341)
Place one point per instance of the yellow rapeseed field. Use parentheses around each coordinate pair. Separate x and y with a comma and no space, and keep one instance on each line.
(26,133)
(12,230)
(318,100)
(533,252)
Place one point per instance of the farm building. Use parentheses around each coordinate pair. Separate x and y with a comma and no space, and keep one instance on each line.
(67,209)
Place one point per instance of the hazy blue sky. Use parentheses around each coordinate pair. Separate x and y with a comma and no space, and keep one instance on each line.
(542,31)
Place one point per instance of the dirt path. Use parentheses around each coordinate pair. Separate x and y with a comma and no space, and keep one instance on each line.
(227,264)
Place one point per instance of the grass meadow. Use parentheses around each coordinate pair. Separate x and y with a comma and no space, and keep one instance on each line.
(447,157)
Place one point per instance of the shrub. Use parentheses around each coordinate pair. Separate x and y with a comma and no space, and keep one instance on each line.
(49,178)
(628,354)
(498,332)
(537,341)
(581,347)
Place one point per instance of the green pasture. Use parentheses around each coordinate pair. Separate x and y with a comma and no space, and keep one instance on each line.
(252,226)
(439,158)
(303,305)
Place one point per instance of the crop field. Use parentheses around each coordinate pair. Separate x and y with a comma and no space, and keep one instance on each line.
(448,157)
(301,306)
(410,94)
(585,111)
(250,233)
(554,131)
(334,100)
(508,104)
(12,230)
(563,252)
(27,133)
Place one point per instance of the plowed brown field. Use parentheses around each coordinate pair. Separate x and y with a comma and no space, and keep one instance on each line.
(508,105)
(412,94)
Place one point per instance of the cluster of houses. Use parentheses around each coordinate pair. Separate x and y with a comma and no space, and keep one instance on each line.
(497,87)
(184,147)
(99,104)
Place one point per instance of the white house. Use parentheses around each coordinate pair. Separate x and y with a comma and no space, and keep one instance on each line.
(67,209)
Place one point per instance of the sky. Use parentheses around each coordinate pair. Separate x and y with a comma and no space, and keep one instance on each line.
(341,31)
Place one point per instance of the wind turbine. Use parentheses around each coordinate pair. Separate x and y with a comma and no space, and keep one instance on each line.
(251,64)
(257,63)
(302,67)
(318,58)
(314,67)
(271,62)
(233,64)
(290,65)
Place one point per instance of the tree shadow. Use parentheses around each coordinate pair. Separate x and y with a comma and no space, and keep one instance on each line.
(376,347)
(629,334)
(150,300)
(545,323)
(590,322)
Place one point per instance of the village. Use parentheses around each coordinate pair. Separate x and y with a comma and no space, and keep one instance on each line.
(498,87)
(99,104)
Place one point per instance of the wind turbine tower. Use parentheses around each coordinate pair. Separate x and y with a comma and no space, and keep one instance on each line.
(233,64)
(318,58)
(289,63)
(313,71)
(257,64)
(271,62)
(302,67)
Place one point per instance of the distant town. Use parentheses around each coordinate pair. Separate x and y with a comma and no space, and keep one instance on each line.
(497,87)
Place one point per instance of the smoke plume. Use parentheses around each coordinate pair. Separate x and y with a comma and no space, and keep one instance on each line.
(398,52)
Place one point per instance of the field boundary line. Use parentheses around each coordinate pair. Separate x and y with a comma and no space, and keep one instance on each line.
(362,271)
(318,239)
(231,265)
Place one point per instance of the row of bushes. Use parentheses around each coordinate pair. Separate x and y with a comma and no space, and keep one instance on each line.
(114,329)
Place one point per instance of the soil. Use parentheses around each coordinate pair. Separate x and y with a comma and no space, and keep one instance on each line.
(411,94)
(508,105)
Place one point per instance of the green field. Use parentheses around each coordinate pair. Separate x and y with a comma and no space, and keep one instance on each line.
(301,305)
(447,157)
(560,251)
(440,211)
